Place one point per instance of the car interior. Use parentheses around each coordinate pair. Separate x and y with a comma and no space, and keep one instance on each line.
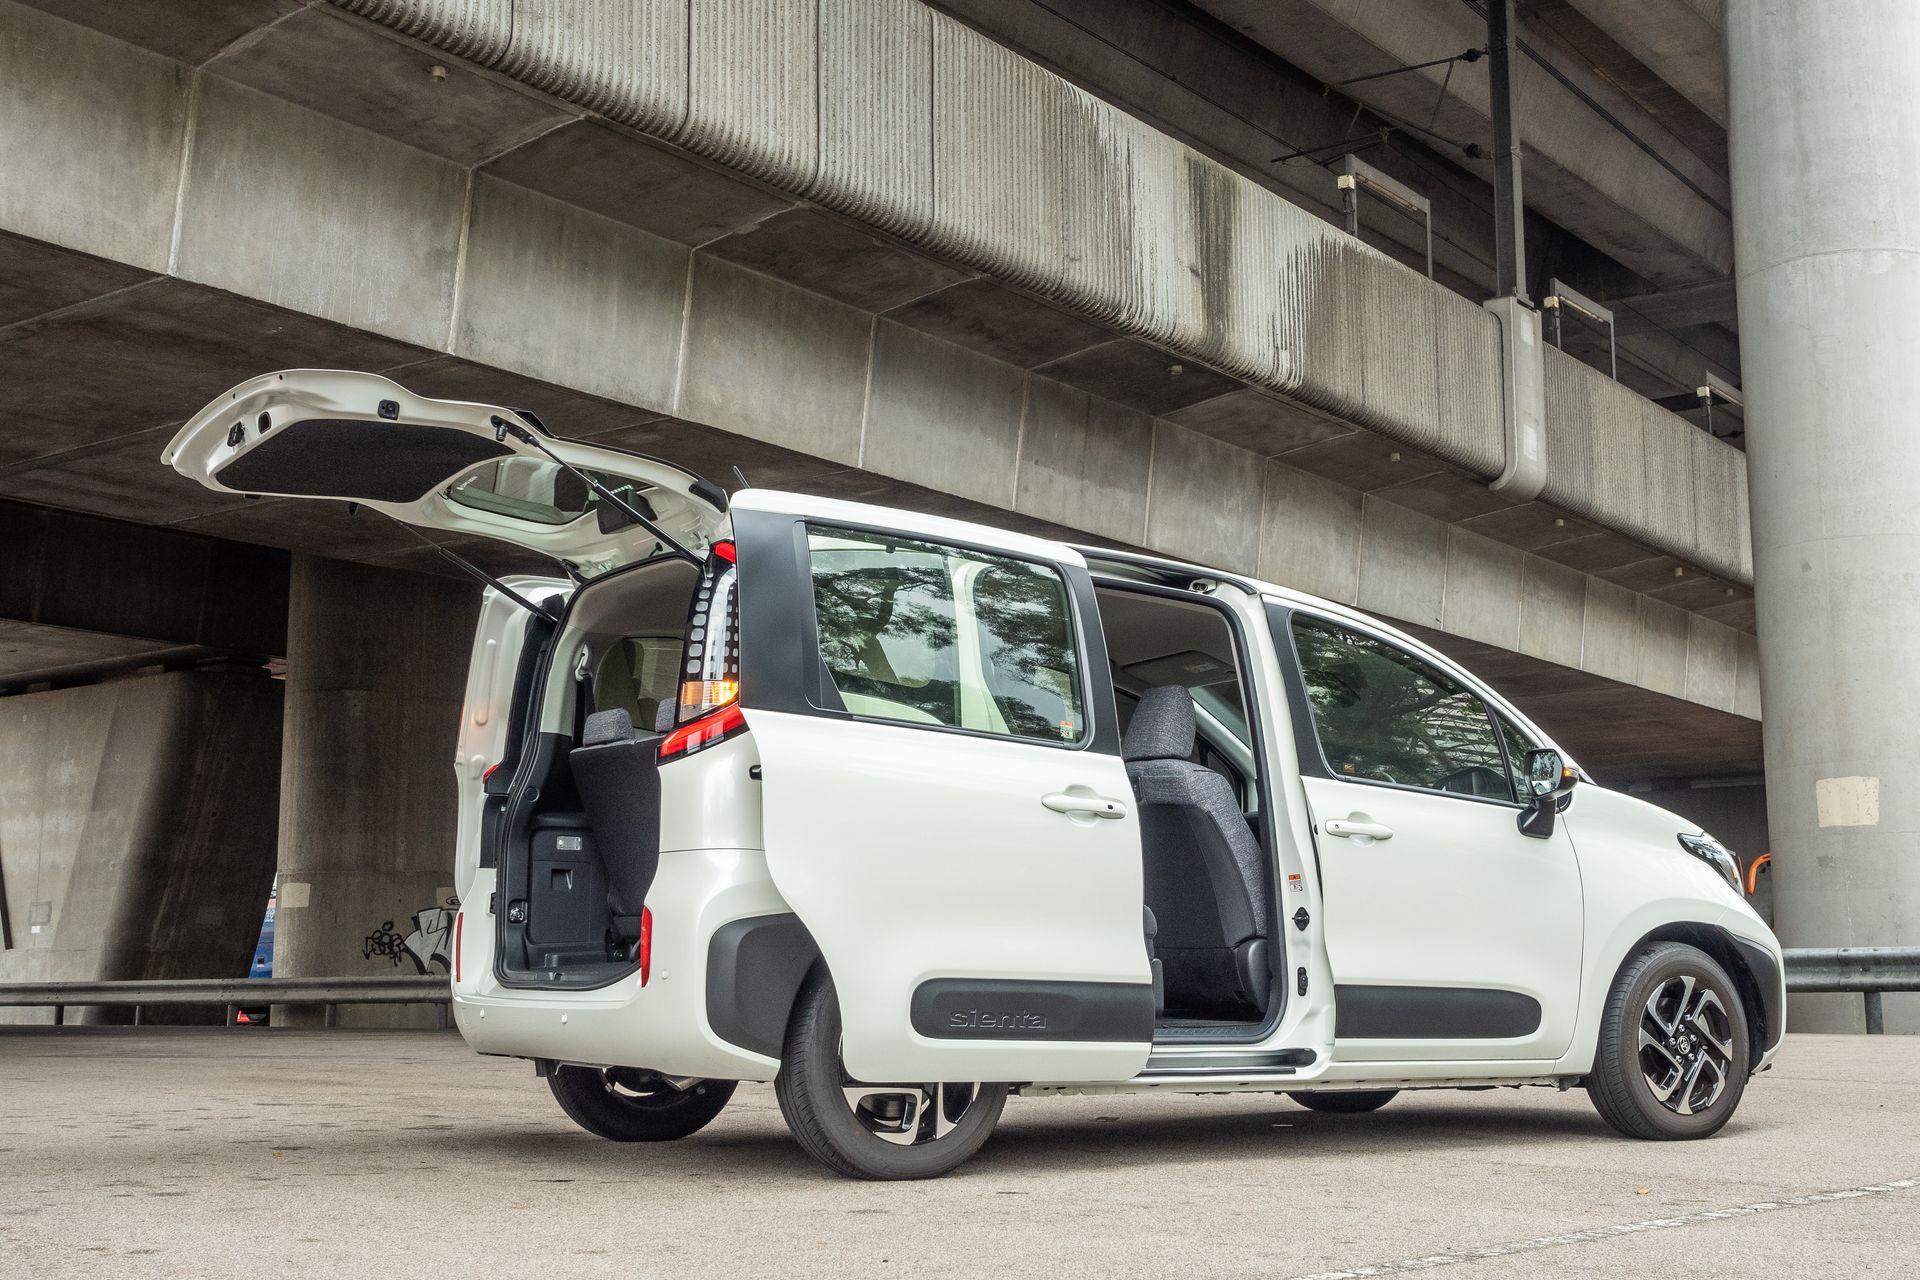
(1206,843)
(576,849)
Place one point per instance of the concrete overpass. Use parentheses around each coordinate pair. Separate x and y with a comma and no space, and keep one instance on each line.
(856,247)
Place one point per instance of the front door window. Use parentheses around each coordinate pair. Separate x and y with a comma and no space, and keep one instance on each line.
(1384,715)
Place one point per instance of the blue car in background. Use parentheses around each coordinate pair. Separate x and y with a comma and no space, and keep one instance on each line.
(263,950)
(262,966)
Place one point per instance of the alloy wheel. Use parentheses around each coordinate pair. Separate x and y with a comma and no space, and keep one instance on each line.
(1686,1045)
(909,1115)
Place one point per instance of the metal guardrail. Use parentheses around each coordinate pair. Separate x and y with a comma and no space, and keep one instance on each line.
(234,993)
(1868,970)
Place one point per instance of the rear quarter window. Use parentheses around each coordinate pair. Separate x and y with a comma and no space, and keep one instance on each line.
(930,634)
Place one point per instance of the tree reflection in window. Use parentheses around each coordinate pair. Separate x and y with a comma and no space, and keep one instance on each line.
(890,612)
(886,618)
(1386,716)
(1026,644)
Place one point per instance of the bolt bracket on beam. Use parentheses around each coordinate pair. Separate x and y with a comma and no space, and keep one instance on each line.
(1564,297)
(1712,391)
(1357,175)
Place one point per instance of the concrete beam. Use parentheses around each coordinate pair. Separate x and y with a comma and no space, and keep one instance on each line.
(84,594)
(1092,226)
(1581,171)
(972,396)
(1681,307)
(1629,736)
(1679,40)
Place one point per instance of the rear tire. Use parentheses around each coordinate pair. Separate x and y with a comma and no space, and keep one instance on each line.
(883,1133)
(1673,1053)
(1344,1102)
(626,1104)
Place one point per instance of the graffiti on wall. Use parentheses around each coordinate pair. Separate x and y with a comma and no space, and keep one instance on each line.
(428,946)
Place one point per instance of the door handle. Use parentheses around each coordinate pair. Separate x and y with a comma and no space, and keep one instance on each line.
(1350,827)
(1068,802)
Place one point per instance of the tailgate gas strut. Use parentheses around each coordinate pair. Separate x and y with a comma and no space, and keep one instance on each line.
(502,429)
(474,570)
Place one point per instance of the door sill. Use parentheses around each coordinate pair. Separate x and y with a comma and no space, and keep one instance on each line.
(1230,1063)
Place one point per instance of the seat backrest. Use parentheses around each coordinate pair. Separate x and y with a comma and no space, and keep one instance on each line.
(618,775)
(1206,873)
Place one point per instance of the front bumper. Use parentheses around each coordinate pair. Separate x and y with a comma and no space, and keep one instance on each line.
(1768,972)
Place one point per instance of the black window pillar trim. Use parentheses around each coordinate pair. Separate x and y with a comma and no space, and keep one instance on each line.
(1306,738)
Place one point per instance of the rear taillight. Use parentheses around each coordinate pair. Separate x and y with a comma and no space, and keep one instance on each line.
(709,703)
(646,944)
(704,732)
(459,920)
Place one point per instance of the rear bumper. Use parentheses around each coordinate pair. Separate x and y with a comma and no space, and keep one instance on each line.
(663,1026)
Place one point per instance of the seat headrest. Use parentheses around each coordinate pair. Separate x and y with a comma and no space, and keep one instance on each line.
(602,727)
(1162,726)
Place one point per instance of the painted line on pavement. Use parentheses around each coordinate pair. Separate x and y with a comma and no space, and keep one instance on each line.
(1607,1233)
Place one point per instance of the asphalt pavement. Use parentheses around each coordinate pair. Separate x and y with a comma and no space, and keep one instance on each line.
(153,1152)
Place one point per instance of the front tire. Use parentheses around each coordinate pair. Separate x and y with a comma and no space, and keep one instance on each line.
(1344,1102)
(879,1132)
(626,1104)
(1673,1055)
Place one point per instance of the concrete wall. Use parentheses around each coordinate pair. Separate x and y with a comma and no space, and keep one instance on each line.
(137,827)
(968,158)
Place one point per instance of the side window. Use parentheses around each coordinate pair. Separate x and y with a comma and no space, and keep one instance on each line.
(924,633)
(1518,744)
(1385,715)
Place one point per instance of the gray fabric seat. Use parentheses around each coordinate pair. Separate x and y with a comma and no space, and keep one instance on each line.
(1206,876)
(618,776)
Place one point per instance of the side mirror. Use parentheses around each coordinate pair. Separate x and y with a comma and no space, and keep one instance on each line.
(1548,780)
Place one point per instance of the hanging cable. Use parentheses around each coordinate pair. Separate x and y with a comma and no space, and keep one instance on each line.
(1472,150)
(1465,55)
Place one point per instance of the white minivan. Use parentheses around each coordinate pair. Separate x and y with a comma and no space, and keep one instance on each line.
(906,814)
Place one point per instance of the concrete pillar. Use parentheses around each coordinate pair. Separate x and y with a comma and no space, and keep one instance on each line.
(376,670)
(1825,142)
(136,832)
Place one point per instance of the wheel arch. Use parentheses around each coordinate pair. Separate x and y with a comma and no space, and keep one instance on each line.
(1754,971)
